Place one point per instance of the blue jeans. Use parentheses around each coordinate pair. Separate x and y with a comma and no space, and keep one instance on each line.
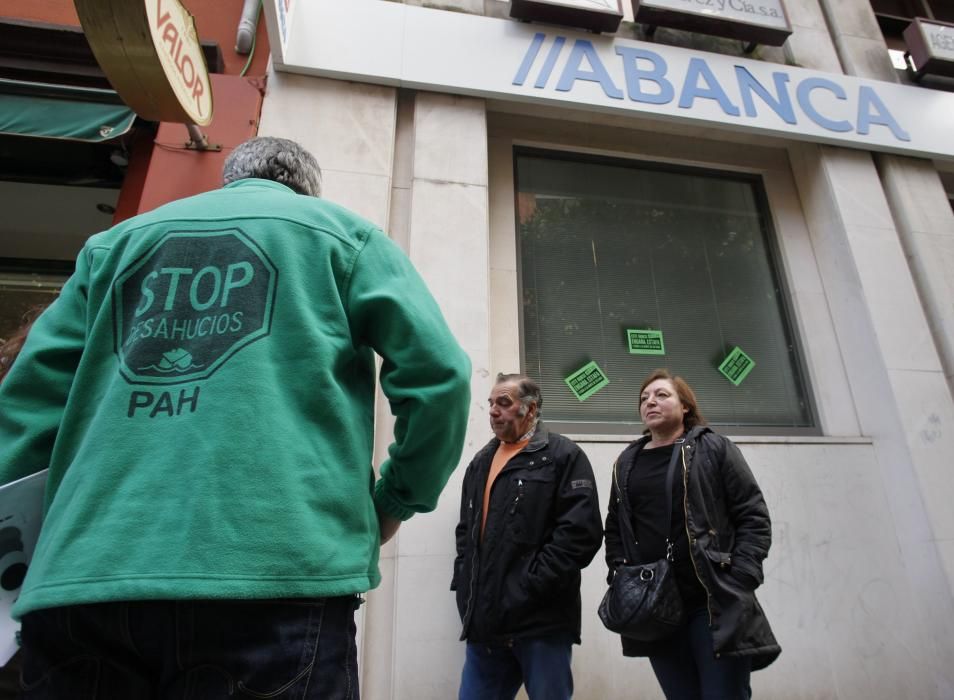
(192,650)
(542,664)
(689,669)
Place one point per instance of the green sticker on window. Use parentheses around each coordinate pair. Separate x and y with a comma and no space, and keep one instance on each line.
(736,366)
(643,341)
(586,381)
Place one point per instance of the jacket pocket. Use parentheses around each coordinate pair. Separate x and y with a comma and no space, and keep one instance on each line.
(514,592)
(530,505)
(720,560)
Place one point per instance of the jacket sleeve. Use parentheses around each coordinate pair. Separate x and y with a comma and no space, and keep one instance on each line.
(424,374)
(34,393)
(749,516)
(612,538)
(578,530)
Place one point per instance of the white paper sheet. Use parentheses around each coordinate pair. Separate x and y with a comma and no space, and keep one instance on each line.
(21,514)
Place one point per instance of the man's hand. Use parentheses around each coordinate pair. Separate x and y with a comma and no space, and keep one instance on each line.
(388,526)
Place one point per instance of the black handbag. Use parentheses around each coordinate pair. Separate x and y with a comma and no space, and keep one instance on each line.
(643,601)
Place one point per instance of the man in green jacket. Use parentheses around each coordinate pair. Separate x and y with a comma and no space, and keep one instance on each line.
(202,392)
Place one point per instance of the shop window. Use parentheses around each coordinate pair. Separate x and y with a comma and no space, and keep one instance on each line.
(607,246)
(56,193)
(23,292)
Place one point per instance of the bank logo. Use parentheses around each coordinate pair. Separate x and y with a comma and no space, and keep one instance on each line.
(189,304)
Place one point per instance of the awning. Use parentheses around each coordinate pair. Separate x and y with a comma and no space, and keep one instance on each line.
(62,112)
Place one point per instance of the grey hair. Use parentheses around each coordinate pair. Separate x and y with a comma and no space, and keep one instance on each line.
(276,159)
(528,391)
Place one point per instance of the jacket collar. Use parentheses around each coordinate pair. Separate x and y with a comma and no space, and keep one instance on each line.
(247,182)
(694,434)
(539,440)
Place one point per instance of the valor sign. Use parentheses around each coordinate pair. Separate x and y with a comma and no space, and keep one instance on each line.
(151,54)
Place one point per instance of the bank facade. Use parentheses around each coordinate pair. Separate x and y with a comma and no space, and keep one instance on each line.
(560,188)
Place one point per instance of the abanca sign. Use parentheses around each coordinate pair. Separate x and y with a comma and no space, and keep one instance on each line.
(396,44)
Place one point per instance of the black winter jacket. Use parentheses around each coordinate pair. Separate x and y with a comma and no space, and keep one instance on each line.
(729,534)
(543,527)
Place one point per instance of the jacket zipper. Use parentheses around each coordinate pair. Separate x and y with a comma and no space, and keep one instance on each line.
(475,534)
(516,501)
(474,561)
(689,540)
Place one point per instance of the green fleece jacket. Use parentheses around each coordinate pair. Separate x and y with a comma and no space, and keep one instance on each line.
(203,394)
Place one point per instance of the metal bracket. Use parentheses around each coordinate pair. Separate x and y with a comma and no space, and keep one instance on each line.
(916,75)
(199,141)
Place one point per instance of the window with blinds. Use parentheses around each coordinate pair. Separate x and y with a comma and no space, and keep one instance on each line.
(606,246)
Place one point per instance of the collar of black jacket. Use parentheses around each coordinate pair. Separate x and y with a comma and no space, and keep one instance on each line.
(539,439)
(694,434)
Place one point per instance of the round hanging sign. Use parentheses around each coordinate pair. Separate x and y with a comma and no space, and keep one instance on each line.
(151,54)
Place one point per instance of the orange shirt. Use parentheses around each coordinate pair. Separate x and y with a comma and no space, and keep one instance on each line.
(505,451)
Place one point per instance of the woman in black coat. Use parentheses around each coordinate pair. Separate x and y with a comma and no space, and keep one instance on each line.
(719,533)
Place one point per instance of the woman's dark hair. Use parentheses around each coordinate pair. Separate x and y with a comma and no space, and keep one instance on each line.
(687,396)
(11,347)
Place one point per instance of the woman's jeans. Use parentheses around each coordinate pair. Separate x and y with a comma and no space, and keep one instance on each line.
(297,649)
(690,671)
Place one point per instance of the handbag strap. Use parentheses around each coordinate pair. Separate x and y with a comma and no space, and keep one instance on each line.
(626,521)
(670,476)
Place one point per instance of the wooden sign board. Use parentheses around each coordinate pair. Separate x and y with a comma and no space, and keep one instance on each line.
(150,52)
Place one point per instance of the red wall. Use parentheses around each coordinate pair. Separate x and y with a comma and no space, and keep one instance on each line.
(216,20)
(175,171)
(163,170)
(49,11)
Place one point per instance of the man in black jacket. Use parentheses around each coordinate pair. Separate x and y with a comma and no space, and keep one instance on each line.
(530,522)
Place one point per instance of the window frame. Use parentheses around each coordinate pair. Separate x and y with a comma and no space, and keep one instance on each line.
(613,431)
(799,213)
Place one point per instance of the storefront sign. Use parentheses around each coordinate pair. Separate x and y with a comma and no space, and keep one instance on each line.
(504,60)
(278,20)
(595,15)
(647,78)
(151,54)
(931,45)
(762,21)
